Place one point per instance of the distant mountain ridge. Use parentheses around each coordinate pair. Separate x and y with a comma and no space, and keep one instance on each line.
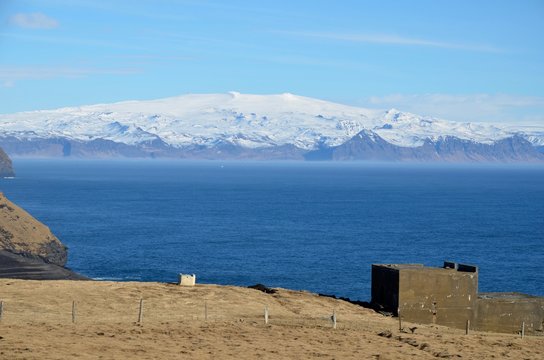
(369,146)
(242,126)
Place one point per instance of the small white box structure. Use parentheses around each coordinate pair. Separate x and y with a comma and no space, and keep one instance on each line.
(187,280)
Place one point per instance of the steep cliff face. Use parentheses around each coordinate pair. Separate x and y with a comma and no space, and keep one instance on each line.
(6,167)
(22,234)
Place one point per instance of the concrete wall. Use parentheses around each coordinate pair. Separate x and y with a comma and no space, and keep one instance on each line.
(385,288)
(442,296)
(505,312)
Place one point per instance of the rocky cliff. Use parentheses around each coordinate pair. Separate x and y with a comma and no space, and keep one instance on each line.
(22,234)
(6,167)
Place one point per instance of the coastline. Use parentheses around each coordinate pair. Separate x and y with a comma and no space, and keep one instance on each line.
(13,266)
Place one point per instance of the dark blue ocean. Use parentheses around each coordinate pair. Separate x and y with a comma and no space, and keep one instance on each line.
(312,226)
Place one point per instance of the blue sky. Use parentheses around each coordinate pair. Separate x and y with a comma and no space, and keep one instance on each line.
(460,60)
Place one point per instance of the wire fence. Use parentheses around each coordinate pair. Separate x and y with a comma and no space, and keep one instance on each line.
(142,311)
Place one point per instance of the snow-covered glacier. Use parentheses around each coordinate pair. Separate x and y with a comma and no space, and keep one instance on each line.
(235,125)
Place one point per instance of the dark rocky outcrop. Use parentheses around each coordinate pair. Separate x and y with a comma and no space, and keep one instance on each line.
(15,266)
(263,288)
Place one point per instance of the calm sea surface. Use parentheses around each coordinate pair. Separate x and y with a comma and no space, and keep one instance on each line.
(313,226)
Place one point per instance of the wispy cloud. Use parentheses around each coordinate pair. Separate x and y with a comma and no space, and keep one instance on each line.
(301,60)
(9,75)
(144,58)
(62,40)
(468,107)
(125,8)
(33,21)
(7,84)
(389,39)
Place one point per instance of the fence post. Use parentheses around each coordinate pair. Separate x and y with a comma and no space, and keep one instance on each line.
(334,319)
(400,320)
(467,327)
(141,312)
(1,309)
(266,314)
(73,312)
(523,329)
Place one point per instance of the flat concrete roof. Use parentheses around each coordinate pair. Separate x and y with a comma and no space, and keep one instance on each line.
(421,267)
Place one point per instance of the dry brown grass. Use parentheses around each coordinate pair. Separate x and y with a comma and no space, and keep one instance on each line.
(37,324)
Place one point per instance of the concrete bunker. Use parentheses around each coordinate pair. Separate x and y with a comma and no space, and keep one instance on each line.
(449,296)
(186,279)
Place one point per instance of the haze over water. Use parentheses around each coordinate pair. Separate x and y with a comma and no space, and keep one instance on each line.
(313,226)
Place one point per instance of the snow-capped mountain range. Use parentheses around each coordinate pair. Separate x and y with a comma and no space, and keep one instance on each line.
(235,125)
